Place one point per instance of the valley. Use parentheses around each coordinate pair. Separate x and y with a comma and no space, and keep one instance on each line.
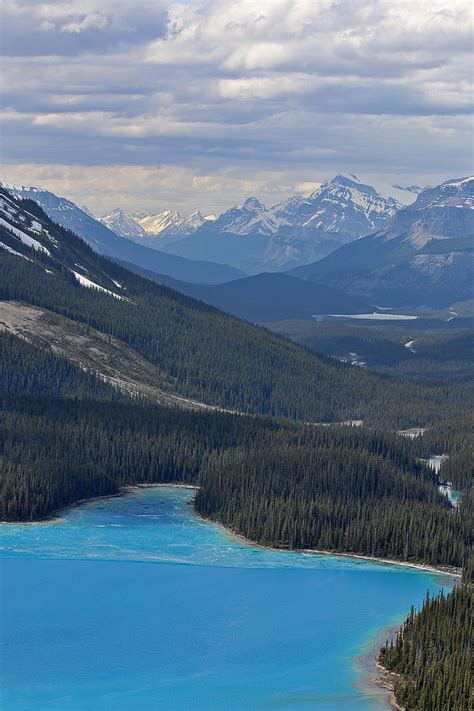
(440,346)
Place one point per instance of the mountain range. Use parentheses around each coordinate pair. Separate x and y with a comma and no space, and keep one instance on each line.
(423,256)
(153,230)
(255,238)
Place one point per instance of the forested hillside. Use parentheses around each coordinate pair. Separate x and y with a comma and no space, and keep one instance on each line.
(433,655)
(66,436)
(25,369)
(346,496)
(251,370)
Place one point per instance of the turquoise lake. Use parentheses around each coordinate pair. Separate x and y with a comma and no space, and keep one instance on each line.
(134,603)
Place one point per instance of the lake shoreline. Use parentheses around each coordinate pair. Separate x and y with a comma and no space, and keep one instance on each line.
(374,675)
(56,516)
(449,572)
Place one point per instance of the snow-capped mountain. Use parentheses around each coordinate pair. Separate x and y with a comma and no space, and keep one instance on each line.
(122,224)
(253,237)
(424,255)
(343,204)
(155,230)
(167,221)
(170,222)
(439,212)
(251,217)
(300,229)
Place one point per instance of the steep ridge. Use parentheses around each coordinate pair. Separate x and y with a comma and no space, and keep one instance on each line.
(251,371)
(422,257)
(106,242)
(94,352)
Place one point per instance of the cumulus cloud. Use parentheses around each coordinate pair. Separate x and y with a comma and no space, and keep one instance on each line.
(226,90)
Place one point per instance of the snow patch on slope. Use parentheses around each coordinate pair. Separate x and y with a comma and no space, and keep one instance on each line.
(12,251)
(24,238)
(89,284)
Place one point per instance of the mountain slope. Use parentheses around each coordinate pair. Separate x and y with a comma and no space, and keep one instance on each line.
(201,353)
(422,257)
(106,242)
(92,352)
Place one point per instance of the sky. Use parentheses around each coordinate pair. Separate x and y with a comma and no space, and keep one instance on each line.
(151,104)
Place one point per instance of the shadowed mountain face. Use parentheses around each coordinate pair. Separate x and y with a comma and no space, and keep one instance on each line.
(269,297)
(424,256)
(106,242)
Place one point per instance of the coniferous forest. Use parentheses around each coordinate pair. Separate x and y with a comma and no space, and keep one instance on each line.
(67,436)
(432,654)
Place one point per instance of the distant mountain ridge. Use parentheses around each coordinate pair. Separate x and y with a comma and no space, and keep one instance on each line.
(150,339)
(298,230)
(337,206)
(250,237)
(153,230)
(256,238)
(423,256)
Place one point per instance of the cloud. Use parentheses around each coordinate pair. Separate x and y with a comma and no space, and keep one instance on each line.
(289,90)
(70,27)
(153,188)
